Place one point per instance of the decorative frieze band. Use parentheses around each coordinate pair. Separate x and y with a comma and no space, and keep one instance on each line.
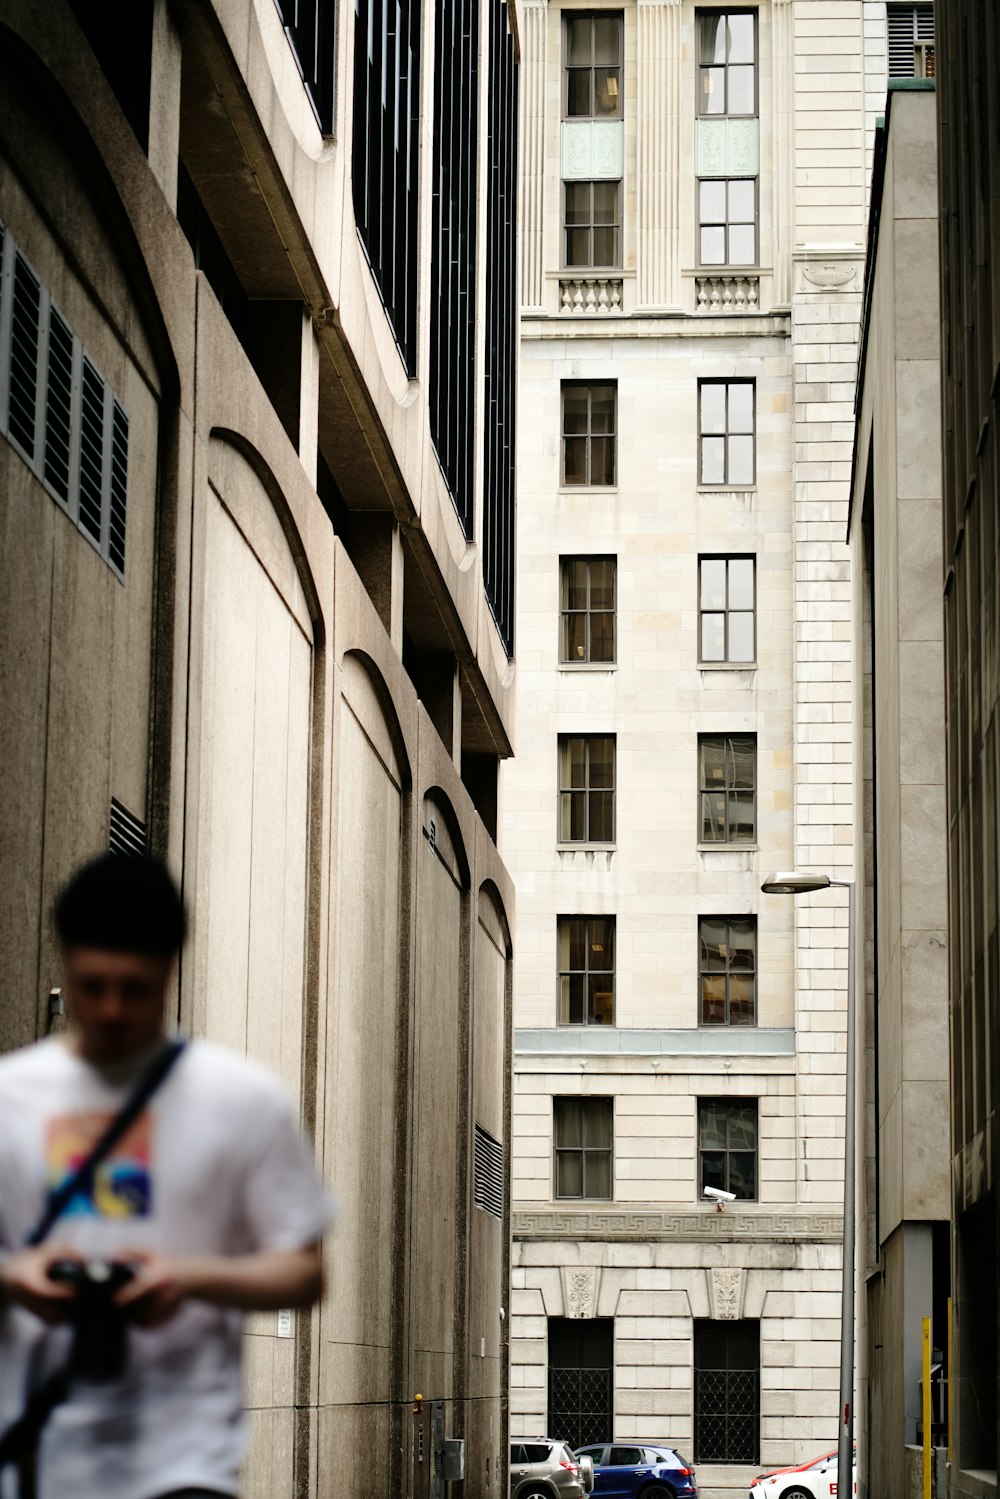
(697,1225)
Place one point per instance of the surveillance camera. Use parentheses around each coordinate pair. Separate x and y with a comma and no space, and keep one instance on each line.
(716,1194)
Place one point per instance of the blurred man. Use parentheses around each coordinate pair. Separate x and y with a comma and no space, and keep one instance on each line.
(209,1197)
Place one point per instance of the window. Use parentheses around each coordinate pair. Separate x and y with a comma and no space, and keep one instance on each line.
(727,1146)
(384,172)
(501,314)
(727,63)
(727,221)
(727,965)
(727,774)
(583,1132)
(310,26)
(726,1391)
(588,432)
(727,91)
(592,223)
(911,41)
(581,1379)
(726,431)
(454,222)
(727,605)
(587,623)
(593,67)
(586,970)
(586,788)
(61,414)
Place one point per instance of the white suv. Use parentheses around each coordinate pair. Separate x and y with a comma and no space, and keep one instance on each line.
(541,1468)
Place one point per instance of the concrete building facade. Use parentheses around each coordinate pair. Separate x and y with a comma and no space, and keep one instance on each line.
(258,329)
(693,222)
(969,163)
(903,1259)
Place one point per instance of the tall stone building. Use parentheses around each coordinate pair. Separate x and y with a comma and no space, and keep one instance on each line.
(969,172)
(258,330)
(694,184)
(903,1260)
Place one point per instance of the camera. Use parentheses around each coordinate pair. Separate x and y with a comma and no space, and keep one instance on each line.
(716,1195)
(100,1331)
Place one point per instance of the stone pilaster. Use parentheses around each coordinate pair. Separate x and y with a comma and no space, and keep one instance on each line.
(534,17)
(658,185)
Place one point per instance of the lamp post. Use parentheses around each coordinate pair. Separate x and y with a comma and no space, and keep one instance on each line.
(796,883)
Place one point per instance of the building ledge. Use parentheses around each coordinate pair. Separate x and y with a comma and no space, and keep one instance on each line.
(741,1223)
(611,1040)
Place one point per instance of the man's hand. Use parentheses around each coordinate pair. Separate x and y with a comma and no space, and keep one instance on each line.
(24,1278)
(156,1290)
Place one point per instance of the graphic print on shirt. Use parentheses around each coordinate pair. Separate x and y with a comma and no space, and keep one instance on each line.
(122,1185)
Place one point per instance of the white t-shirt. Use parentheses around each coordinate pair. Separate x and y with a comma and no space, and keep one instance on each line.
(215,1165)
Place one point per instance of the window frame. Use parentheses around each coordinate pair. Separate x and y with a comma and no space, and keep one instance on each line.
(721,1327)
(736,10)
(703,972)
(584,1149)
(727,791)
(726,663)
(587,663)
(587,792)
(591,264)
(921,47)
(720,266)
(589,436)
(566,67)
(700,1150)
(587,972)
(727,383)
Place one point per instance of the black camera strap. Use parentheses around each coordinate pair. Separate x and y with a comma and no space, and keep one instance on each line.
(19,1443)
(154,1076)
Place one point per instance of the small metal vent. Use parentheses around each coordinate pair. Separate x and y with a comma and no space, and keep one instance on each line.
(24,356)
(59,406)
(127,834)
(119,488)
(487,1190)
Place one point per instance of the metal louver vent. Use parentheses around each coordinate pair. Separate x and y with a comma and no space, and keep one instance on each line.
(91,450)
(119,488)
(127,834)
(24,356)
(487,1190)
(910,30)
(59,406)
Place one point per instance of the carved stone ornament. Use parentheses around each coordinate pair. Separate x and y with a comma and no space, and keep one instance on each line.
(580,1285)
(618,1225)
(725,1288)
(830,277)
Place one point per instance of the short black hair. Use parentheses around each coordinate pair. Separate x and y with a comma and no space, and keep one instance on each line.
(122,903)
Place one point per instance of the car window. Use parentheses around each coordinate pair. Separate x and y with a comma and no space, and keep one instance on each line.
(651,1456)
(625,1457)
(594,1453)
(537,1452)
(517,1453)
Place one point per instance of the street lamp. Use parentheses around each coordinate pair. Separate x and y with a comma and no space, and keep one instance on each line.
(792,882)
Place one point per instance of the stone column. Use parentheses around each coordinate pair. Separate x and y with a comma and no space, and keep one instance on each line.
(534,17)
(782,125)
(658,130)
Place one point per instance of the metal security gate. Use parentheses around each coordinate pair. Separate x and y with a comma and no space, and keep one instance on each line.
(581,1380)
(726,1392)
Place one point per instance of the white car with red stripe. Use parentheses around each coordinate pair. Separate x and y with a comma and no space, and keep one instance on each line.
(814,1480)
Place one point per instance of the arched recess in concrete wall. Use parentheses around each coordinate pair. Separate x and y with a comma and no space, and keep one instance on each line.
(440,1065)
(492,996)
(76,633)
(367,1027)
(249,763)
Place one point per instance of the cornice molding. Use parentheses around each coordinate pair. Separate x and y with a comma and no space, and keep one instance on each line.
(699,1225)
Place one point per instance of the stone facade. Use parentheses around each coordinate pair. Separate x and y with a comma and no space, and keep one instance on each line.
(656,1257)
(290,680)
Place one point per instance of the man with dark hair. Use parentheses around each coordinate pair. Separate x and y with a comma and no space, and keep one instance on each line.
(208,1197)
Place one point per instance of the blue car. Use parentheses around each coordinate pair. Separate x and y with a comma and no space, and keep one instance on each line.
(640,1471)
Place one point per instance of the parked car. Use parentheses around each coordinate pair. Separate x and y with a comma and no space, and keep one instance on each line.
(640,1471)
(816,1479)
(543,1468)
